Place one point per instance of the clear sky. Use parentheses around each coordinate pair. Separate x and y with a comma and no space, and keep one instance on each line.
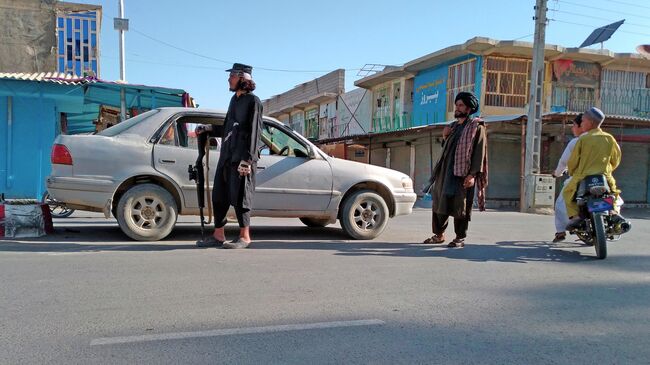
(187,44)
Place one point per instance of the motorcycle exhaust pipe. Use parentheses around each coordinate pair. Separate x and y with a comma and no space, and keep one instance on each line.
(625,227)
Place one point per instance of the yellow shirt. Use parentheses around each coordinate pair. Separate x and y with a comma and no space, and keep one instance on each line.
(595,153)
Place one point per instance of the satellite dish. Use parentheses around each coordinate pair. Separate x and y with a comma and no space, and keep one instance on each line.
(602,34)
(644,50)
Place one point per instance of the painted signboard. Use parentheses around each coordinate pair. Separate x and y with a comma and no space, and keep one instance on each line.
(570,72)
(429,96)
(430,91)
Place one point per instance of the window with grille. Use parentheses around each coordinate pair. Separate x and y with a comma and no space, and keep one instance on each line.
(462,77)
(297,122)
(311,123)
(78,42)
(574,99)
(383,106)
(507,81)
(619,91)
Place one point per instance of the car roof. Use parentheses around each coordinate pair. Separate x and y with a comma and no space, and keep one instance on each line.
(178,109)
(188,109)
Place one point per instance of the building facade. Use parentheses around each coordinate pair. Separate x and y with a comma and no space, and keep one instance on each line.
(49,36)
(310,108)
(409,105)
(498,72)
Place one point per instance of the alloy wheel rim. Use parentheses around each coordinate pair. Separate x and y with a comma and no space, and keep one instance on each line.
(367,215)
(148,212)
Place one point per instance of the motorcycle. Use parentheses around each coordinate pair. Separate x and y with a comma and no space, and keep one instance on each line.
(596,202)
(57,208)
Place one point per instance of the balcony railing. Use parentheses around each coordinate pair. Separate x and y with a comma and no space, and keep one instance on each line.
(574,99)
(630,102)
(641,99)
(394,123)
(627,102)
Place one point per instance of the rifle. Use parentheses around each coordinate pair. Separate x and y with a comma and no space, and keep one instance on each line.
(197,173)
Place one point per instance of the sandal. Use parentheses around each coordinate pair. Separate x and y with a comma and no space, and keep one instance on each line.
(559,236)
(457,242)
(435,239)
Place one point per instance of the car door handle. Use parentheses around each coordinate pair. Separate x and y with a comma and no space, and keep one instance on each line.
(166,161)
(261,167)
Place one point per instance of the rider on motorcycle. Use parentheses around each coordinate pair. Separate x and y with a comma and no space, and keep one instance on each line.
(561,217)
(595,153)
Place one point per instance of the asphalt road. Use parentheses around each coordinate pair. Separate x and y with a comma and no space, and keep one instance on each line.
(88,294)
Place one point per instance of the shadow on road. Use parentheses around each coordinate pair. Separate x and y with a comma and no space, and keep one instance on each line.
(510,251)
(106,237)
(110,238)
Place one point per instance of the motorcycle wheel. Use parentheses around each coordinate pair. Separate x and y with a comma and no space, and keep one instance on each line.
(601,237)
(57,209)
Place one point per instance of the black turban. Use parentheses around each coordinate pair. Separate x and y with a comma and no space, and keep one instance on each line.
(469,100)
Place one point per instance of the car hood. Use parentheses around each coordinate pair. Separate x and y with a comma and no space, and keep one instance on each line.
(364,171)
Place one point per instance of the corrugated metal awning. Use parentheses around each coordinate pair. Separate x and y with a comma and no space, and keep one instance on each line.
(50,77)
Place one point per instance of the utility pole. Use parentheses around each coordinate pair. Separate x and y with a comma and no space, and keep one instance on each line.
(121,24)
(534,124)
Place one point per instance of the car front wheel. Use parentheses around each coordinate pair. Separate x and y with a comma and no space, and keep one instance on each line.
(364,215)
(147,212)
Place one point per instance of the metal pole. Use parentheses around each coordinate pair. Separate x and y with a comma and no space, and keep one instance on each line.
(534,123)
(122,64)
(10,136)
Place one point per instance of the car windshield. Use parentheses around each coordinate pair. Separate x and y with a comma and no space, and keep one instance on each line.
(279,142)
(123,126)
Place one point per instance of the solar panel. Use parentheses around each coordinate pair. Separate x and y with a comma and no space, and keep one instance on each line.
(602,34)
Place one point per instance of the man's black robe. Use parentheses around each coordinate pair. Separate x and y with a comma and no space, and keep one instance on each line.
(241,139)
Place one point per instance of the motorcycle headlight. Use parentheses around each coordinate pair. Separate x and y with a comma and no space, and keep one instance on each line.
(407,183)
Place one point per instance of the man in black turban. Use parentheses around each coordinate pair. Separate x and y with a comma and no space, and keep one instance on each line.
(461,167)
(468,100)
(234,180)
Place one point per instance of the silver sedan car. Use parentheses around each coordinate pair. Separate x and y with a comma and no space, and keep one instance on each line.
(138,172)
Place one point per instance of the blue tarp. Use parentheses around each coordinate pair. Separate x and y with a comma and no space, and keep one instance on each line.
(30,117)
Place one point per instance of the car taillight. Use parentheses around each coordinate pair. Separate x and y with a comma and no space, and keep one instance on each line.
(61,155)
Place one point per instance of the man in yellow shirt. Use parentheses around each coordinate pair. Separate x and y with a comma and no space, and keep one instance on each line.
(595,153)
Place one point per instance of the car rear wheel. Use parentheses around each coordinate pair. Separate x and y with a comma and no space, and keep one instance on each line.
(147,212)
(314,222)
(364,215)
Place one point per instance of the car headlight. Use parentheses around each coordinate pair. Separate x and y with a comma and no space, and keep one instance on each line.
(407,183)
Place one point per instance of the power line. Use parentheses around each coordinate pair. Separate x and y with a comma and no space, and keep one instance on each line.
(225,61)
(525,36)
(602,9)
(591,26)
(628,4)
(179,48)
(175,65)
(131,60)
(596,17)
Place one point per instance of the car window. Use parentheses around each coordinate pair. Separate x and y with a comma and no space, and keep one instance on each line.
(125,125)
(181,134)
(169,137)
(280,142)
